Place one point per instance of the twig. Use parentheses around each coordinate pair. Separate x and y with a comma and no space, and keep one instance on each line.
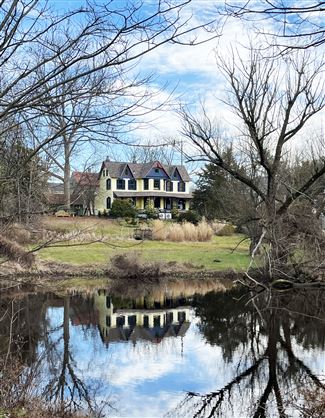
(237,245)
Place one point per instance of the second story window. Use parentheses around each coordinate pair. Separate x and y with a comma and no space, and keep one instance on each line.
(132,184)
(108,184)
(169,186)
(156,184)
(120,184)
(181,186)
(146,184)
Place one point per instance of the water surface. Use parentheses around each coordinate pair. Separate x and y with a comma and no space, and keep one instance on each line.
(170,352)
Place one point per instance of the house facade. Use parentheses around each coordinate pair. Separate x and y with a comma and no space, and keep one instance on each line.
(164,186)
(139,323)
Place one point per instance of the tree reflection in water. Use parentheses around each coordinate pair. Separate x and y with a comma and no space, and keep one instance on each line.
(270,375)
(62,384)
(265,342)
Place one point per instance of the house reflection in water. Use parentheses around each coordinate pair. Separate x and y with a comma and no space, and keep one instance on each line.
(132,321)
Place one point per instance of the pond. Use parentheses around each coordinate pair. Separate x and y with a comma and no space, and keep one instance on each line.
(168,351)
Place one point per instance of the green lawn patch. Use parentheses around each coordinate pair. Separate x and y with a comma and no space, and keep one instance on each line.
(213,255)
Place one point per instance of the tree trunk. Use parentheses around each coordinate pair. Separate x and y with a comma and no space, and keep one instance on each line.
(67,174)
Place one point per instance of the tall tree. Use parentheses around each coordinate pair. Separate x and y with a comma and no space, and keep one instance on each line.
(273,100)
(66,75)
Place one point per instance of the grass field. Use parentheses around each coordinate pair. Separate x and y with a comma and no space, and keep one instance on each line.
(215,254)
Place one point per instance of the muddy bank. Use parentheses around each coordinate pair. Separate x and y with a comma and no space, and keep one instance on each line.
(51,271)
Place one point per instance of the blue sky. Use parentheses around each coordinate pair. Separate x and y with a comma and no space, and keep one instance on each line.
(187,74)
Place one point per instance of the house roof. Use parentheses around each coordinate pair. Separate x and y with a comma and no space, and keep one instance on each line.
(55,188)
(84,178)
(140,170)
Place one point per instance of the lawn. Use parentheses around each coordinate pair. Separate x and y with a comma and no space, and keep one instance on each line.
(215,254)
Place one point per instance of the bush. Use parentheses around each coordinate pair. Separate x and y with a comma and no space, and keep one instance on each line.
(151,211)
(175,213)
(130,266)
(189,216)
(123,209)
(227,230)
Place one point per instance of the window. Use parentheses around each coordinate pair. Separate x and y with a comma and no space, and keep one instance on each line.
(156,321)
(146,321)
(108,184)
(120,184)
(146,184)
(104,173)
(169,317)
(156,184)
(169,186)
(120,321)
(181,204)
(181,186)
(181,317)
(108,321)
(157,170)
(132,184)
(108,203)
(132,320)
(126,171)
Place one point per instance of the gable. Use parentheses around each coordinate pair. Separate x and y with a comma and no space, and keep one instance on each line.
(157,171)
(127,172)
(175,175)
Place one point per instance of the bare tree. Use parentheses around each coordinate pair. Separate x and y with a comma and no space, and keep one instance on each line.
(104,109)
(273,99)
(41,51)
(296,25)
(70,77)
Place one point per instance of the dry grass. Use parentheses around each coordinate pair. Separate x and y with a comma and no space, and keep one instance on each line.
(88,225)
(166,231)
(18,233)
(14,252)
(217,226)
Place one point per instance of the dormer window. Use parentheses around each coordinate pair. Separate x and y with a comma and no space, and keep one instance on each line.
(156,184)
(157,170)
(126,171)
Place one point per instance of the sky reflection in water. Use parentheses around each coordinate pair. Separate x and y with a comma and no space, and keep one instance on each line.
(177,365)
